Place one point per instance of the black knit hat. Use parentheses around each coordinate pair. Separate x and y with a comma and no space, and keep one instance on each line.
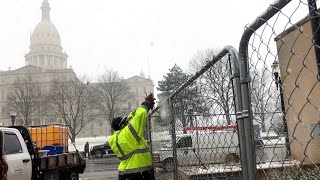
(117,122)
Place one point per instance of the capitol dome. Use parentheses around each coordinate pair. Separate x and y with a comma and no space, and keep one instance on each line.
(45,44)
(45,32)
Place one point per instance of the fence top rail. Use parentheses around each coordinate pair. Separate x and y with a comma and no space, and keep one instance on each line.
(255,25)
(215,59)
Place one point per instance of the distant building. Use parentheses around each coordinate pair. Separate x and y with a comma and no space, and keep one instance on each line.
(139,86)
(46,61)
(42,76)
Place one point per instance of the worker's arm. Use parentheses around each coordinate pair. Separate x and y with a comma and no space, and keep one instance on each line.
(139,119)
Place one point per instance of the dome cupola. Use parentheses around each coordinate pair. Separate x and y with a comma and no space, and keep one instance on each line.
(45,32)
(45,44)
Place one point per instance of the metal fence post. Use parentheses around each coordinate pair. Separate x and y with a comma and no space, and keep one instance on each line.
(173,136)
(314,18)
(245,80)
(247,117)
(149,131)
(284,121)
(248,133)
(241,133)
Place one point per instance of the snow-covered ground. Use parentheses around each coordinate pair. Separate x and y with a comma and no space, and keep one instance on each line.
(80,142)
(222,168)
(272,142)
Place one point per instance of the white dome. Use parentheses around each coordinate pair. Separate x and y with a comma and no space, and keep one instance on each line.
(45,33)
(45,44)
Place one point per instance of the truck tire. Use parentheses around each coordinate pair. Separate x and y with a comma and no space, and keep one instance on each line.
(74,176)
(98,154)
(168,165)
(69,175)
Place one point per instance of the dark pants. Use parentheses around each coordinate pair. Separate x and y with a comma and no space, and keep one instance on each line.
(87,152)
(146,175)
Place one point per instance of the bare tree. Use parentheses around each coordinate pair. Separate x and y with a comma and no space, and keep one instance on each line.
(71,101)
(215,83)
(113,95)
(262,96)
(25,98)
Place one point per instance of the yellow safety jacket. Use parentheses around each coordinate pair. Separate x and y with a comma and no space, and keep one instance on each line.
(130,146)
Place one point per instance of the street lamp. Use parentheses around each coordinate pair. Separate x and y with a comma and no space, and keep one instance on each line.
(13,117)
(277,78)
(190,112)
(276,72)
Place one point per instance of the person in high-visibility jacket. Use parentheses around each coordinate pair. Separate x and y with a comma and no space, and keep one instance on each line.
(129,145)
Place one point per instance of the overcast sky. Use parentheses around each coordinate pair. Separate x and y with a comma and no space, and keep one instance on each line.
(123,34)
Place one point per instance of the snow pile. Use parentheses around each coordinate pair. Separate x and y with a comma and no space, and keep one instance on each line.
(93,141)
(275,142)
(222,168)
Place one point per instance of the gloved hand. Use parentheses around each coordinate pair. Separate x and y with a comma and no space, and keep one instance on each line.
(151,100)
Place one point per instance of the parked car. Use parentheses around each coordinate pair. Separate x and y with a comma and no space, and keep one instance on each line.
(100,150)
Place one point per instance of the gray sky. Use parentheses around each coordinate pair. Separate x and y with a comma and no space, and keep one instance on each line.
(123,34)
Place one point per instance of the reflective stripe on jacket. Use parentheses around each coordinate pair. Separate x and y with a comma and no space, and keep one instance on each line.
(130,146)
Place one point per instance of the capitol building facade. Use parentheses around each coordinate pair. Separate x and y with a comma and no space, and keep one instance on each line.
(46,61)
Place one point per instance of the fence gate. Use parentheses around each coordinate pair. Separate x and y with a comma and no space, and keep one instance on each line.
(194,133)
(252,115)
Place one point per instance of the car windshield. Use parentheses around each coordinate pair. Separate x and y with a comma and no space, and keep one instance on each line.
(167,145)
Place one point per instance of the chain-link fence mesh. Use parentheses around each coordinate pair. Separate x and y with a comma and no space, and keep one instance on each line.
(266,125)
(285,91)
(194,133)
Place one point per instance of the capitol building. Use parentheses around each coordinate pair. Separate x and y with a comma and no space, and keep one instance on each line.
(46,61)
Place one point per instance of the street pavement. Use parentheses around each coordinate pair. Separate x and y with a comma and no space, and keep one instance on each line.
(101,168)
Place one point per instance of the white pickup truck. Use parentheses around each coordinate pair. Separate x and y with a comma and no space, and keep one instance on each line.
(24,162)
(199,148)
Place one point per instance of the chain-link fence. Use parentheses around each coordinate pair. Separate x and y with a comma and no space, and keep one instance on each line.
(252,117)
(194,133)
(283,58)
